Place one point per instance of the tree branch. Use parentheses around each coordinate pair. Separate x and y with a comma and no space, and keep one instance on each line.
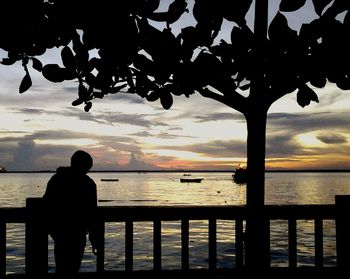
(235,100)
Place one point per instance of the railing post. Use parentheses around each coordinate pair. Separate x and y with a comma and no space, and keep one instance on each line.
(292,243)
(100,246)
(184,244)
(342,204)
(239,238)
(129,245)
(2,249)
(157,245)
(36,238)
(212,243)
(318,242)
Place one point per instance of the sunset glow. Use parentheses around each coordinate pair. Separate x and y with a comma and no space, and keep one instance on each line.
(206,136)
(310,140)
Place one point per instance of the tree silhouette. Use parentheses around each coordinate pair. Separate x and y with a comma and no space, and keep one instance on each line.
(133,56)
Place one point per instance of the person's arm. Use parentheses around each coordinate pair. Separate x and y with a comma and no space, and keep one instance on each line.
(93,221)
(48,203)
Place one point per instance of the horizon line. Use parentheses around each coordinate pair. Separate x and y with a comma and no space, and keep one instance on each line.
(184,170)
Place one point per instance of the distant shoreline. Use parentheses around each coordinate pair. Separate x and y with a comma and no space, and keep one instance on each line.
(193,171)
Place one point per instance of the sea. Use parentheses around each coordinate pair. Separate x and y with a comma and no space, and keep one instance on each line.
(165,188)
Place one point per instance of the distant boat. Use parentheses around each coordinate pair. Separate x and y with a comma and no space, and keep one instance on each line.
(109,179)
(195,180)
(240,176)
(186,174)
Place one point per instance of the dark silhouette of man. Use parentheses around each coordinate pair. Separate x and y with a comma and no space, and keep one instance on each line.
(71,201)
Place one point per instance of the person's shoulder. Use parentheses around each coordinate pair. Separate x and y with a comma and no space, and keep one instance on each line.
(60,171)
(90,180)
(63,170)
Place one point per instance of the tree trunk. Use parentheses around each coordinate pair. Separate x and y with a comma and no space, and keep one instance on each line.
(257,237)
(257,242)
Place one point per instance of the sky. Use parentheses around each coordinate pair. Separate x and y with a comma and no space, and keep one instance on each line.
(40,129)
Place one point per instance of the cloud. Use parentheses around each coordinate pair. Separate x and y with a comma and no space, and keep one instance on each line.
(332,138)
(24,155)
(28,152)
(143,134)
(54,135)
(107,117)
(126,98)
(137,163)
(160,135)
(27,110)
(215,149)
(220,117)
(282,146)
(302,122)
(30,156)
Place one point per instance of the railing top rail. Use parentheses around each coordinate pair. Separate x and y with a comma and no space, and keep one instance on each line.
(200,212)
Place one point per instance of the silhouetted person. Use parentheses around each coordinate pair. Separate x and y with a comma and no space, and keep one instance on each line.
(71,202)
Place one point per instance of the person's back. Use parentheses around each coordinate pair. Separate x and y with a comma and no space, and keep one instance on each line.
(71,201)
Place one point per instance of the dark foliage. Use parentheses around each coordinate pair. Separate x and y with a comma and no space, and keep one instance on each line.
(157,64)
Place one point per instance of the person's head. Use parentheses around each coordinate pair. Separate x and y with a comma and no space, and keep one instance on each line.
(81,161)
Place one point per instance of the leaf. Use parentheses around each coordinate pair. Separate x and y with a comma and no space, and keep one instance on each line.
(318,81)
(320,5)
(8,61)
(337,7)
(77,102)
(279,31)
(311,31)
(98,95)
(175,10)
(153,96)
(53,72)
(305,95)
(291,5)
(147,7)
(235,10)
(37,65)
(141,62)
(68,58)
(245,87)
(166,99)
(25,84)
(116,89)
(69,74)
(343,83)
(88,106)
(82,92)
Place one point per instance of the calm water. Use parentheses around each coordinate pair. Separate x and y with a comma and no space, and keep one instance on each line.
(165,189)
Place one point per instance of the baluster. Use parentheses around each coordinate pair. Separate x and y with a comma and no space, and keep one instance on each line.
(318,242)
(36,238)
(2,249)
(129,245)
(342,204)
(239,242)
(212,244)
(292,243)
(157,245)
(184,244)
(100,247)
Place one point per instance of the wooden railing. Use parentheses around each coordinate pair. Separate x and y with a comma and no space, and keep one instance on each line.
(36,239)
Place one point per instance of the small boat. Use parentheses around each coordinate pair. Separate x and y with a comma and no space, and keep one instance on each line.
(240,176)
(195,180)
(186,174)
(109,179)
